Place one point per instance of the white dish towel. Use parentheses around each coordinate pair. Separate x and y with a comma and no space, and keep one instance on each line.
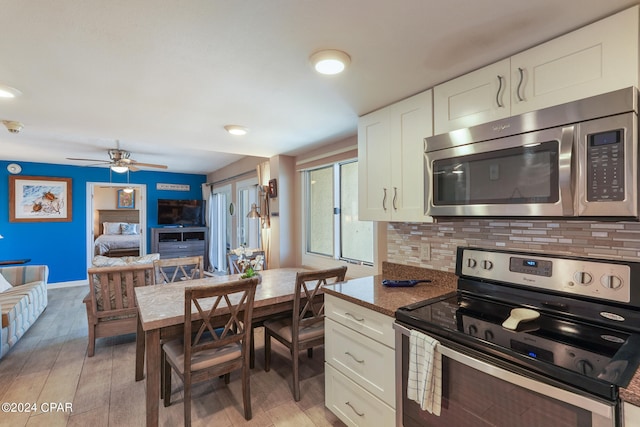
(424,385)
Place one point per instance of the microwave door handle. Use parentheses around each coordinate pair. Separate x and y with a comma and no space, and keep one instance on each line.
(566,172)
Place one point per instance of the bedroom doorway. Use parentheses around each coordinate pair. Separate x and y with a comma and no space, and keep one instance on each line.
(126,217)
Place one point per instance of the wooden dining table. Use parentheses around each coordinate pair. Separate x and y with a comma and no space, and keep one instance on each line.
(161,316)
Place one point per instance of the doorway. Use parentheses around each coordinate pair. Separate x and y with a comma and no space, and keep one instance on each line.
(109,203)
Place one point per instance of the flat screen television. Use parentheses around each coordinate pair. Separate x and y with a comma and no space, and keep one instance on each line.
(186,213)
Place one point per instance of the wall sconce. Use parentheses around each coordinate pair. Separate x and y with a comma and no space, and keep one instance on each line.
(253,213)
(273,188)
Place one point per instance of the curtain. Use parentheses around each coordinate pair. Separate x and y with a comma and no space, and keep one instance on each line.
(264,174)
(217,221)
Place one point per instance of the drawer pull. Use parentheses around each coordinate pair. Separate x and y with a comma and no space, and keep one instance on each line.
(353,357)
(359,320)
(360,414)
(183,247)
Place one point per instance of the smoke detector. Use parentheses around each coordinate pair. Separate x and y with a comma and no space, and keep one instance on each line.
(13,126)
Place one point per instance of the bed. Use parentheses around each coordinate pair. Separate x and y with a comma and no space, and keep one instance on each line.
(119,233)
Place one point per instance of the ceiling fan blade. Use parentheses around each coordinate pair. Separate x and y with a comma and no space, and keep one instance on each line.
(133,168)
(88,160)
(148,165)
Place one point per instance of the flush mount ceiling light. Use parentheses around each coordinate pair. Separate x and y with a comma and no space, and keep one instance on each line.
(236,129)
(330,61)
(8,91)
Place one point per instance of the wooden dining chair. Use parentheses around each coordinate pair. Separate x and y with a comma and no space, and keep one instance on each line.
(212,350)
(170,270)
(305,329)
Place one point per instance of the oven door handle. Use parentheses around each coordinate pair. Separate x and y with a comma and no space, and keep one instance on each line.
(602,409)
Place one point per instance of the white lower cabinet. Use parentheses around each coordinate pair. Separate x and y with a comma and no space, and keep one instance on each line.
(354,405)
(631,414)
(359,364)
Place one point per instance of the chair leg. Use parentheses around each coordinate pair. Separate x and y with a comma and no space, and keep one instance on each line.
(166,377)
(246,393)
(163,361)
(187,402)
(92,341)
(252,350)
(310,352)
(295,359)
(227,378)
(267,351)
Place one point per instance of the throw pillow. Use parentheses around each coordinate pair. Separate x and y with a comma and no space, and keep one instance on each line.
(4,285)
(129,229)
(111,227)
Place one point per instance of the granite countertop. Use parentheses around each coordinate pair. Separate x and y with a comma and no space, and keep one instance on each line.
(370,293)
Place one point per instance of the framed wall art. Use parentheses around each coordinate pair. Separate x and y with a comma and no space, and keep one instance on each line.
(39,199)
(126,200)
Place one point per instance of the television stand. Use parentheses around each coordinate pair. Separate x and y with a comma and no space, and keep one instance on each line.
(180,242)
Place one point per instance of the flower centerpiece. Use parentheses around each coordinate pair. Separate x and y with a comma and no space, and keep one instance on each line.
(250,266)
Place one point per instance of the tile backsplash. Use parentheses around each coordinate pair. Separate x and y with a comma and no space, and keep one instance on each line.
(433,245)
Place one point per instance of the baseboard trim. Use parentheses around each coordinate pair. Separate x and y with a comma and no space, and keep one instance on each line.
(71,284)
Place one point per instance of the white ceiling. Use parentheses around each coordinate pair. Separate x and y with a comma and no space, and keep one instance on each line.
(163,77)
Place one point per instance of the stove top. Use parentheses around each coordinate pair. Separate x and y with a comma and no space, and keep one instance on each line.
(589,343)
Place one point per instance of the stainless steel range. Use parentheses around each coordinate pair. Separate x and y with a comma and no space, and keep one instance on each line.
(558,362)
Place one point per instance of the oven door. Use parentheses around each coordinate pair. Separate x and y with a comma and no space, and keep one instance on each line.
(520,175)
(477,393)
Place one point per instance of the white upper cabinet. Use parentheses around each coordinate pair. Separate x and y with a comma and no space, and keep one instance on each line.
(390,160)
(477,97)
(595,59)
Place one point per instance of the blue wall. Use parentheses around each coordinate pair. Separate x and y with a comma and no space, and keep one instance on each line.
(62,245)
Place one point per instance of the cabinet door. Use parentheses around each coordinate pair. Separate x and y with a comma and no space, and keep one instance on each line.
(478,97)
(631,415)
(411,122)
(595,59)
(374,164)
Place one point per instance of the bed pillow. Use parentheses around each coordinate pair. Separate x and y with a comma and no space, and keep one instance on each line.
(4,285)
(129,228)
(111,228)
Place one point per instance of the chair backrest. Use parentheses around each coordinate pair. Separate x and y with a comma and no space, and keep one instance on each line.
(111,288)
(235,267)
(236,298)
(308,285)
(171,270)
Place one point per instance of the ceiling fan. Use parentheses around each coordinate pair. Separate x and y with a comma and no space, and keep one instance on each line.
(121,162)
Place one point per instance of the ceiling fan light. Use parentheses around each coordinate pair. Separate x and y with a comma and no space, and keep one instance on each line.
(128,190)
(9,92)
(236,129)
(119,169)
(330,61)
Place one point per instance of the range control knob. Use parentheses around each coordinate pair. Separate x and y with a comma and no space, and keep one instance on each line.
(487,265)
(473,330)
(471,263)
(583,278)
(584,366)
(611,282)
(488,335)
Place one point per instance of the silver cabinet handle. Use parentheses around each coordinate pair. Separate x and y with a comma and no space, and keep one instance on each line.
(360,414)
(521,71)
(353,357)
(395,197)
(500,105)
(384,199)
(354,317)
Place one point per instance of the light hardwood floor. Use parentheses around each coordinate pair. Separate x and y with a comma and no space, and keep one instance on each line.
(50,365)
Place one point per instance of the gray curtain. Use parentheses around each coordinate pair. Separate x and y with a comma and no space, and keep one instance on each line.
(217,220)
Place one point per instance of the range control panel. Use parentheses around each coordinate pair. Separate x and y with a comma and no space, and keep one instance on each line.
(586,277)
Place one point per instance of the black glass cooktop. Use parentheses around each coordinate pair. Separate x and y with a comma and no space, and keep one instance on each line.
(552,344)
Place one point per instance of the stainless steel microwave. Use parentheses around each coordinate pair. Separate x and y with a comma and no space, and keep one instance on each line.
(578,159)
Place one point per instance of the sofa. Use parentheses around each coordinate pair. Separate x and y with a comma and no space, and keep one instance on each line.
(22,303)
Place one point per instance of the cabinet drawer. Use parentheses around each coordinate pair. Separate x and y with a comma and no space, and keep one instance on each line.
(186,247)
(365,361)
(352,404)
(368,322)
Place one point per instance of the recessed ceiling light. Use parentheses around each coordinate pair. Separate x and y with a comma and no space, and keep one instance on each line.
(8,91)
(330,61)
(236,129)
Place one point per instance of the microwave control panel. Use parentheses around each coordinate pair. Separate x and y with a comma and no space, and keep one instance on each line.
(605,166)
